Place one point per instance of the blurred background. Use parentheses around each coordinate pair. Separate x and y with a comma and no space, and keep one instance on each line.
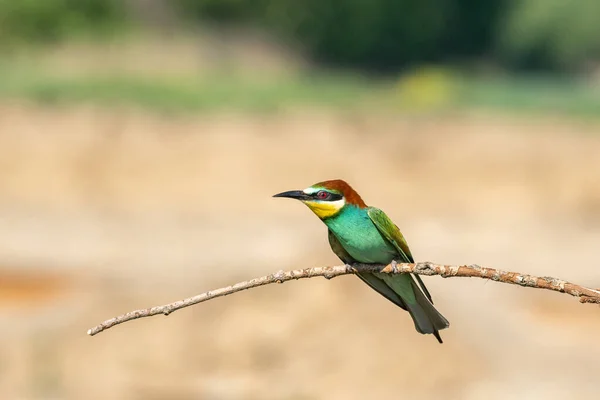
(140,144)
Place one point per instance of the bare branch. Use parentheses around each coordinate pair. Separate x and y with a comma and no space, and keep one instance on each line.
(585,295)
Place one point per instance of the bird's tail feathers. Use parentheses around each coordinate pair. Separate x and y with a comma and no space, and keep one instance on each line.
(425,316)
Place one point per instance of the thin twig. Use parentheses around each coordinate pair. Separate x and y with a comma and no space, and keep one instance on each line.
(585,295)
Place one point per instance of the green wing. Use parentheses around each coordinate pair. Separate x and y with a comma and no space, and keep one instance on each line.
(391,232)
(374,282)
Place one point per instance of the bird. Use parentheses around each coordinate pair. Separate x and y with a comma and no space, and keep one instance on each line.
(361,234)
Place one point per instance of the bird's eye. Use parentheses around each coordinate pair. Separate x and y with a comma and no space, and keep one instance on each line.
(322,195)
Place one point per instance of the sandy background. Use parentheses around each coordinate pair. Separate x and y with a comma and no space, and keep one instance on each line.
(104,210)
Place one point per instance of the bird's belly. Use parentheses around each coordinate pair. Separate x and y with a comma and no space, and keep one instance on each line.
(368,247)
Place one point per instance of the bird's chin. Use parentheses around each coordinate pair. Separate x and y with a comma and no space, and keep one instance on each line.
(323,209)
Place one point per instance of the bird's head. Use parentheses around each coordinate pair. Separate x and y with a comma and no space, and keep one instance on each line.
(326,199)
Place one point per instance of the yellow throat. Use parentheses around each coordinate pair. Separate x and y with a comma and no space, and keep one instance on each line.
(325,209)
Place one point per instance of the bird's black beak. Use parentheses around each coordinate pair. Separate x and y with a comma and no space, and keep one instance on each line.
(294,194)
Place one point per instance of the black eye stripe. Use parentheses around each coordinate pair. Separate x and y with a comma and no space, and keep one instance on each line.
(335,197)
(330,196)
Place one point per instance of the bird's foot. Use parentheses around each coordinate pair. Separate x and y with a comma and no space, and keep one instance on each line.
(395,266)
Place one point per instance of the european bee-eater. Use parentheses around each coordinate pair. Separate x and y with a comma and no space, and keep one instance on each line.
(361,234)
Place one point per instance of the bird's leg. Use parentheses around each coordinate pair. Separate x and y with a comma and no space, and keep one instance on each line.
(395,266)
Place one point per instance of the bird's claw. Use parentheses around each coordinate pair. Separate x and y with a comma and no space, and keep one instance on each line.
(395,266)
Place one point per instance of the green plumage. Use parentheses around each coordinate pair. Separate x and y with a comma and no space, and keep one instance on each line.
(367,235)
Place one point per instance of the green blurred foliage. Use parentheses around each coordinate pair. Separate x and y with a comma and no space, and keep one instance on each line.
(551,33)
(225,11)
(375,35)
(35,21)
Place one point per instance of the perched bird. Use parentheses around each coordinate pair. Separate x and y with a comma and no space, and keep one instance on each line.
(362,234)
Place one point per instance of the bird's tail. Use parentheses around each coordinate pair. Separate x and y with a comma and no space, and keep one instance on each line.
(404,291)
(425,316)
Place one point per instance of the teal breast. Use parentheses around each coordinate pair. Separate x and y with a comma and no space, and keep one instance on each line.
(360,237)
